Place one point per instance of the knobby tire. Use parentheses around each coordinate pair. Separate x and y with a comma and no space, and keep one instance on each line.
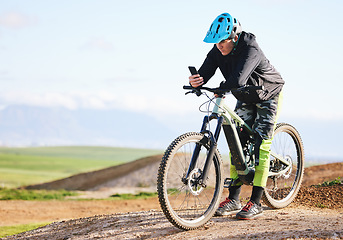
(186,206)
(281,190)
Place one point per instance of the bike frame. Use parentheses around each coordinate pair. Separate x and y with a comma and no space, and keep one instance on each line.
(229,121)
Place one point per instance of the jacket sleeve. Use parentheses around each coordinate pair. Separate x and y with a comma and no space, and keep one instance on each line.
(209,66)
(248,59)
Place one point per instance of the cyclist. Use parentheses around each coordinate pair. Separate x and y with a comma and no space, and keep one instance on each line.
(242,62)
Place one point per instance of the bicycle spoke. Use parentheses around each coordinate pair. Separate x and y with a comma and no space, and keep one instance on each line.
(282,187)
(186,201)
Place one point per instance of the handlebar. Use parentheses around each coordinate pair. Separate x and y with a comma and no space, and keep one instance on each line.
(219,91)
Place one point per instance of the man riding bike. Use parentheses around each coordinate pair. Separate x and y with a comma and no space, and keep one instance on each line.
(242,62)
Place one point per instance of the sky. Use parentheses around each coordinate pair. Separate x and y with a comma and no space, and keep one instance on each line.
(133,55)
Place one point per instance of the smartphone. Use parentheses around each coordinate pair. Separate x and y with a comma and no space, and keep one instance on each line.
(193,70)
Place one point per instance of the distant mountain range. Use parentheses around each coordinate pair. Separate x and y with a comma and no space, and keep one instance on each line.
(31,126)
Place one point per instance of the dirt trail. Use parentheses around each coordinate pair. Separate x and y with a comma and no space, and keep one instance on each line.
(316,214)
(290,223)
(24,212)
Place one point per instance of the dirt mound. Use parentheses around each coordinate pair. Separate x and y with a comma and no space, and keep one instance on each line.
(313,195)
(89,180)
(321,196)
(318,174)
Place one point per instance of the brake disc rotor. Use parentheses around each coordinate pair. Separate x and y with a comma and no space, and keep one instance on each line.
(193,182)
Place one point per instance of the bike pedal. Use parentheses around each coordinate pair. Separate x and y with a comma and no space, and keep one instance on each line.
(228,182)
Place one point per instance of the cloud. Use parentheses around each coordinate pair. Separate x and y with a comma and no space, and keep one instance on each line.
(100,44)
(276,2)
(97,100)
(3,72)
(16,20)
(71,100)
(41,100)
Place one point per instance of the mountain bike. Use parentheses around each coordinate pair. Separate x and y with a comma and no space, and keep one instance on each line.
(191,178)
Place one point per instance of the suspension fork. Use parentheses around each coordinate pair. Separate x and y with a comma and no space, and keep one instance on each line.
(211,141)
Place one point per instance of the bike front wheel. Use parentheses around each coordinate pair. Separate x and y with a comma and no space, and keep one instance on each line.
(285,176)
(186,203)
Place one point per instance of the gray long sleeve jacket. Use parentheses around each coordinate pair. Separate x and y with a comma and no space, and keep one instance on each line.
(245,65)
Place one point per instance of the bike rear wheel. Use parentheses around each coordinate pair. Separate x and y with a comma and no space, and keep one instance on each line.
(185,203)
(284,184)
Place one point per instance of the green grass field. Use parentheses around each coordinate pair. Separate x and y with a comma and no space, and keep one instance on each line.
(11,230)
(32,165)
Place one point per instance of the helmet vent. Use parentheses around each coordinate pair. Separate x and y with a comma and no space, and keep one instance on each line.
(220,19)
(217,28)
(234,20)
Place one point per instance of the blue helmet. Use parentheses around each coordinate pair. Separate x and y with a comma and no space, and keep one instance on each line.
(223,27)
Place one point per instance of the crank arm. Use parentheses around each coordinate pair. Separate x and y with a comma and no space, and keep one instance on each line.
(276,174)
(280,158)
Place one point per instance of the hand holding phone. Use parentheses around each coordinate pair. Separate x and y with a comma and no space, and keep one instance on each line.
(195,80)
(193,70)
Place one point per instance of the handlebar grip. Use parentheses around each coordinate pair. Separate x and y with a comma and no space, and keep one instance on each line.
(187,87)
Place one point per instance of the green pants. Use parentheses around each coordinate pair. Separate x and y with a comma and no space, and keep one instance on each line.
(262,118)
